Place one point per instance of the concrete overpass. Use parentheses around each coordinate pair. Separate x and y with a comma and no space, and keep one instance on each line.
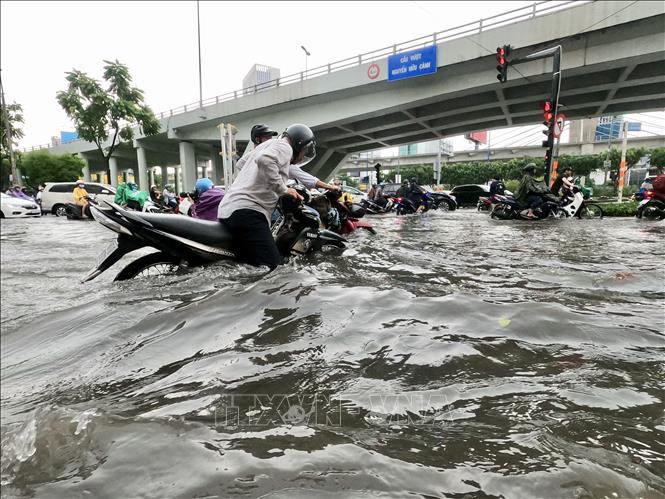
(613,62)
(354,167)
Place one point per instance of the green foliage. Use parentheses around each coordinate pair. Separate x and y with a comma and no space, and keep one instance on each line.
(658,157)
(40,167)
(350,181)
(15,117)
(97,111)
(424,174)
(512,185)
(627,209)
(479,172)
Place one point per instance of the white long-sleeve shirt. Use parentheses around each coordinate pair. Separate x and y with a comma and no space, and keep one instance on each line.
(295,172)
(261,181)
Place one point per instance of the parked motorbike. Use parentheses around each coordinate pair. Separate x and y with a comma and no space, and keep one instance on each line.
(188,242)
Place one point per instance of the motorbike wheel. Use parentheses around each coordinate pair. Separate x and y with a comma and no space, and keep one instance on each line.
(590,211)
(60,211)
(502,212)
(652,211)
(150,265)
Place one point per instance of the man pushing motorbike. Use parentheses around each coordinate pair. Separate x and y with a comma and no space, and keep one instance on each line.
(249,202)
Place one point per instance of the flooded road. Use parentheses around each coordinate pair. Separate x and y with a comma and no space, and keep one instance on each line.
(448,356)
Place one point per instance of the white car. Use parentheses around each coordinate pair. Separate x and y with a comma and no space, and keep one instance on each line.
(357,194)
(11,207)
(56,195)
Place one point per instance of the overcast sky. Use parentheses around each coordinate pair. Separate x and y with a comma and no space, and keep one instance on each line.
(157,40)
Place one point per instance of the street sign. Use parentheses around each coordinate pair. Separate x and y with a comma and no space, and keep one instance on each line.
(607,163)
(634,126)
(417,62)
(559,124)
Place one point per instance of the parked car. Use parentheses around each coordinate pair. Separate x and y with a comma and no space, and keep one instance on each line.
(390,190)
(468,194)
(56,195)
(11,207)
(357,194)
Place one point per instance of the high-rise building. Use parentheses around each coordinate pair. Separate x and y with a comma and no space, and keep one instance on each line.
(258,77)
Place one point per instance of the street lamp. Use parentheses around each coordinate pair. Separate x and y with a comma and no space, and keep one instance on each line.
(198,31)
(307,54)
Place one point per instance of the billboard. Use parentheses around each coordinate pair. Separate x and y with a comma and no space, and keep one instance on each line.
(477,137)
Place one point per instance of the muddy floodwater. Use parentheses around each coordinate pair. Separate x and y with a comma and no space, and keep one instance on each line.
(449,355)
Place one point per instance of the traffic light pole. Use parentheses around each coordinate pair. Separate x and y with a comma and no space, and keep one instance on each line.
(555,53)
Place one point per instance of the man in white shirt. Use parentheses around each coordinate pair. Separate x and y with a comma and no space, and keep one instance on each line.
(247,205)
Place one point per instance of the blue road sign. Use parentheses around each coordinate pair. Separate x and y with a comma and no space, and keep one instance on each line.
(66,137)
(634,126)
(417,62)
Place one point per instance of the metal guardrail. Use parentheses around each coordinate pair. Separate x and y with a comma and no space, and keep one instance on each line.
(512,16)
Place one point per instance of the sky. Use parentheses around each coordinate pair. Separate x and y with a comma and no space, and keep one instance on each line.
(157,40)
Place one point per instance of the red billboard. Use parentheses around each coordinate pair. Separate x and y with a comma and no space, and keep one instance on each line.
(477,137)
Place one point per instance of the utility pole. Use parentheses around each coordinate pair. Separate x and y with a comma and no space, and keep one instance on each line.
(16,178)
(622,165)
(198,25)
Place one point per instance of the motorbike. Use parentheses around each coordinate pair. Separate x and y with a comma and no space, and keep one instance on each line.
(342,218)
(405,206)
(372,208)
(651,208)
(184,242)
(487,203)
(509,208)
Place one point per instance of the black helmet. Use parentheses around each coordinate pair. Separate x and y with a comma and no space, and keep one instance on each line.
(260,130)
(302,139)
(414,180)
(531,167)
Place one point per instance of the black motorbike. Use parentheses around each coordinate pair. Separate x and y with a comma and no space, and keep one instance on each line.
(188,242)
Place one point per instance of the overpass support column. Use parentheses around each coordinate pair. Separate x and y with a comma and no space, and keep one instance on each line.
(188,165)
(151,176)
(142,158)
(113,167)
(216,164)
(176,179)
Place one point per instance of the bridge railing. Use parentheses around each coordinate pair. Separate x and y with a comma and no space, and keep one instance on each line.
(475,27)
(512,16)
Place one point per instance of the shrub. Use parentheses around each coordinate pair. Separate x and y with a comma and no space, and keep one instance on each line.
(627,209)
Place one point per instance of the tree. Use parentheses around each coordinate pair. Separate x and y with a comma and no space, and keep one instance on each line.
(98,112)
(41,166)
(658,158)
(14,116)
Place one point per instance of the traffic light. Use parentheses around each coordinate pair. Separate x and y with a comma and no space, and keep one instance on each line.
(548,121)
(502,54)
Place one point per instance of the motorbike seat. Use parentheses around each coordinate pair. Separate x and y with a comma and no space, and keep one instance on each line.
(201,231)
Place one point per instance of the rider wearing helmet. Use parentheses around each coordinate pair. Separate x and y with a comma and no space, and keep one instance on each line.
(247,205)
(415,194)
(530,191)
(261,133)
(257,135)
(168,197)
(207,200)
